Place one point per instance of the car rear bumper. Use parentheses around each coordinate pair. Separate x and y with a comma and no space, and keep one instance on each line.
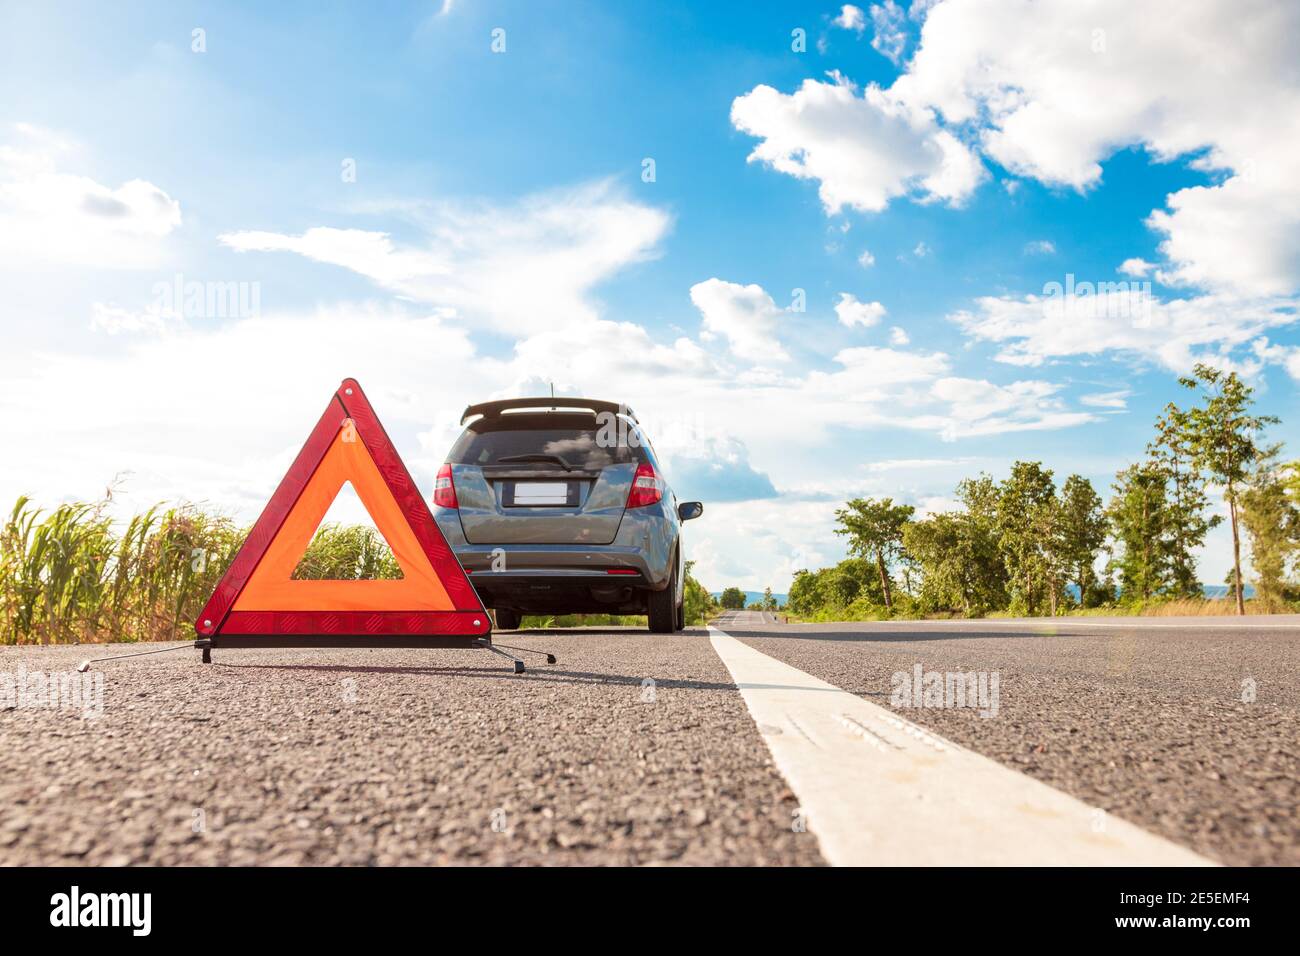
(570,578)
(645,544)
(551,560)
(560,590)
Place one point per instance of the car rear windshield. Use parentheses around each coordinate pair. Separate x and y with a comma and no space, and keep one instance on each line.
(580,444)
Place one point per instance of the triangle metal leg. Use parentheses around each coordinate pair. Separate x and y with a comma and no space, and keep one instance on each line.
(550,658)
(519,665)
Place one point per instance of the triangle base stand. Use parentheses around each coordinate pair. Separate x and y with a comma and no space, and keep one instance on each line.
(331,640)
(502,649)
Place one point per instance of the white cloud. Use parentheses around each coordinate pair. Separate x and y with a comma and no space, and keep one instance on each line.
(1288,356)
(866,260)
(1138,268)
(920,9)
(717,468)
(897,388)
(851,312)
(851,18)
(863,150)
(870,366)
(1040,247)
(213,411)
(373,254)
(49,216)
(873,387)
(513,268)
(744,314)
(620,348)
(895,464)
(979,407)
(898,336)
(1055,88)
(1115,400)
(694,397)
(890,37)
(755,544)
(114,320)
(1035,329)
(921,250)
(1050,89)
(1242,236)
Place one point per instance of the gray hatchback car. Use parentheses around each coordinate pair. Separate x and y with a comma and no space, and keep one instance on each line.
(559,506)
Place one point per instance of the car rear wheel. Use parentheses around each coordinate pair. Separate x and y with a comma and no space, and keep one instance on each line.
(661,607)
(681,616)
(508,619)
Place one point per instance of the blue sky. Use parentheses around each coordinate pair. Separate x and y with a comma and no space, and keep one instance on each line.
(931,170)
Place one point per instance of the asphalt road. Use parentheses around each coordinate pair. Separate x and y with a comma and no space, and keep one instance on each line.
(1143,718)
(444,756)
(398,757)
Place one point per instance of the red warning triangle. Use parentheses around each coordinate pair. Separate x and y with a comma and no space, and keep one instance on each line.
(258,603)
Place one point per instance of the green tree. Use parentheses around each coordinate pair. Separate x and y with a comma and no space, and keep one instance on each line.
(980,497)
(960,564)
(1028,522)
(875,530)
(836,587)
(846,582)
(1185,520)
(1082,533)
(769,602)
(1291,482)
(803,597)
(733,599)
(1223,438)
(1273,525)
(937,545)
(698,601)
(1137,516)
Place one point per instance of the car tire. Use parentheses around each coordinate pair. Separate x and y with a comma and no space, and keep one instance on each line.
(680,620)
(661,606)
(508,619)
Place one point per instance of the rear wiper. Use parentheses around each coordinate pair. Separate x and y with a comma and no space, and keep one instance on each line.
(538,457)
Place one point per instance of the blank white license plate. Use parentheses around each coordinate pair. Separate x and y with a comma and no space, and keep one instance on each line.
(541,493)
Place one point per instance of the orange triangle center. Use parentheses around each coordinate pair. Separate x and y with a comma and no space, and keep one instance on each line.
(271,586)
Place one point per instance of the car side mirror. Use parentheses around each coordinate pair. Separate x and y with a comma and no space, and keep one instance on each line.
(690,509)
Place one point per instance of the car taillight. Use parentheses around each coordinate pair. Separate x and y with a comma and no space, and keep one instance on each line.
(444,491)
(646,487)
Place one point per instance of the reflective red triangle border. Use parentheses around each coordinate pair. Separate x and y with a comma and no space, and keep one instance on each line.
(464,626)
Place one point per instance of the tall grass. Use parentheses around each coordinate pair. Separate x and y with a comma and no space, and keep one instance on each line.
(1199,607)
(546,621)
(71,575)
(347,553)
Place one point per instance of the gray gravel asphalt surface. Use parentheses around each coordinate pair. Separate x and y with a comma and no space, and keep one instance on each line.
(1145,720)
(398,757)
(444,756)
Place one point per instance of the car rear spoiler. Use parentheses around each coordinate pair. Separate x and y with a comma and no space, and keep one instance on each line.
(544,404)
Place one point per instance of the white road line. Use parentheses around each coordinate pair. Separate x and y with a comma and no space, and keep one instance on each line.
(879,790)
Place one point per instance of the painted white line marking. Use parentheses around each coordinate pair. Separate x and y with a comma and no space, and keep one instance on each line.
(879,790)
